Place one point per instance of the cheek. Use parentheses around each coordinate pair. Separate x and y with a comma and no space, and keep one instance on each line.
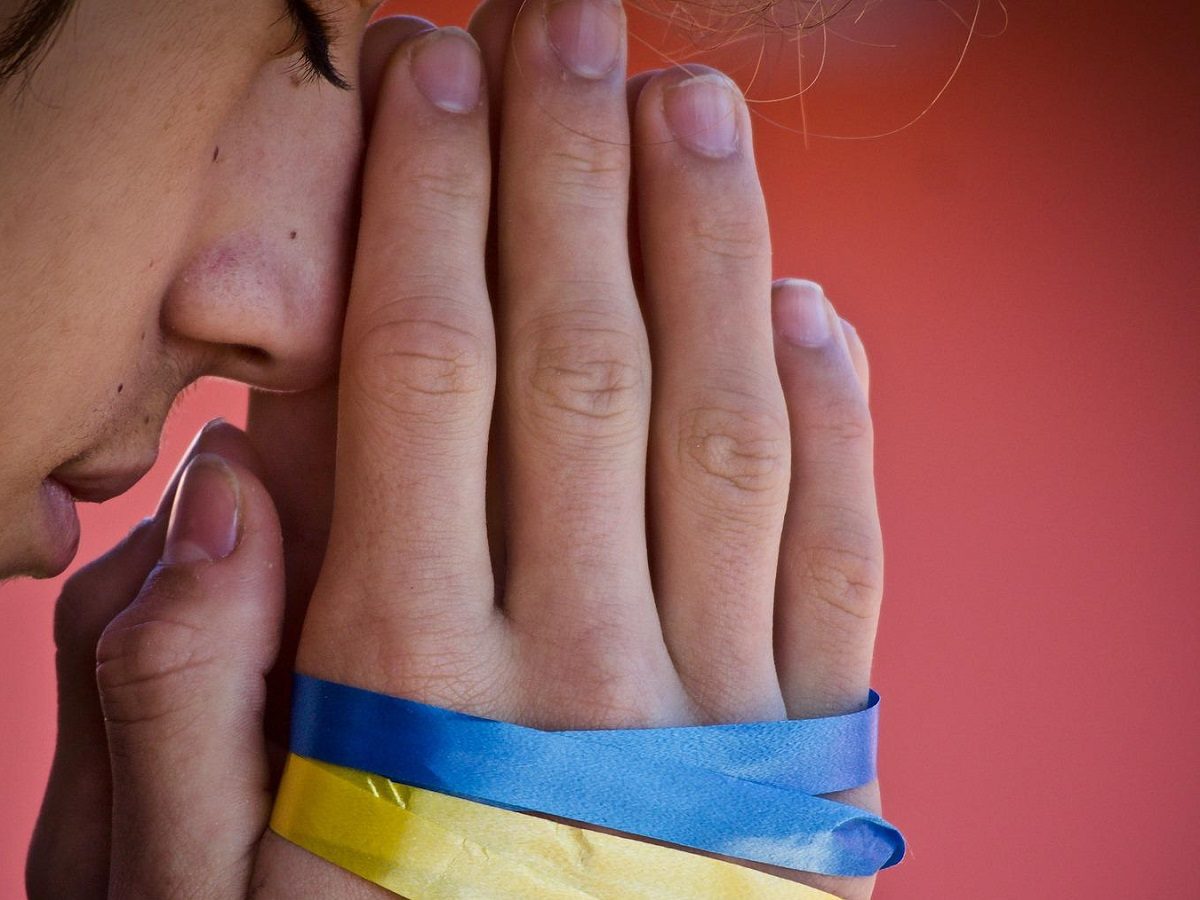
(139,171)
(77,366)
(102,183)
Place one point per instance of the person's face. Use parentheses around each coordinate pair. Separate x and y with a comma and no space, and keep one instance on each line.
(175,201)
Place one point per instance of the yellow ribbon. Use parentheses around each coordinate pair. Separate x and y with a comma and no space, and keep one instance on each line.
(429,846)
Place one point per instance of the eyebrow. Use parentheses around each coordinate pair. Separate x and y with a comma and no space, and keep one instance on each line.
(29,34)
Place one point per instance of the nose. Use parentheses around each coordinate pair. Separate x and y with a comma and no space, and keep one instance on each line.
(256,306)
(258,293)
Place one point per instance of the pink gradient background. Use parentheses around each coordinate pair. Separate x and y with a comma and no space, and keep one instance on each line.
(1022,264)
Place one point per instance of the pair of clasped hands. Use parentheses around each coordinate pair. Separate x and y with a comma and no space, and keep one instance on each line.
(593,469)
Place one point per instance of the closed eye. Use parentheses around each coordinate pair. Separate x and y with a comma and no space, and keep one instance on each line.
(313,36)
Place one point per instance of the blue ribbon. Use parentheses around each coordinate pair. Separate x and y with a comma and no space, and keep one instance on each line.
(744,790)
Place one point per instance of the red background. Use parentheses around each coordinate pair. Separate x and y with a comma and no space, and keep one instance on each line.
(1022,263)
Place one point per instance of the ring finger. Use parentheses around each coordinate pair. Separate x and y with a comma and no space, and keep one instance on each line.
(719,435)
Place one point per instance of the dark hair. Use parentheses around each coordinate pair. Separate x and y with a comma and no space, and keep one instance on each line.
(29,34)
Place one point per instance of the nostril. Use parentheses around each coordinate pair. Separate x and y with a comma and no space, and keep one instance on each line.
(248,312)
(255,356)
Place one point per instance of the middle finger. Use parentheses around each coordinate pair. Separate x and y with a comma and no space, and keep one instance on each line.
(575,371)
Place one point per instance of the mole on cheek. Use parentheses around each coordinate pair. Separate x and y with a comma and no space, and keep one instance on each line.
(120,387)
(216,152)
(292,236)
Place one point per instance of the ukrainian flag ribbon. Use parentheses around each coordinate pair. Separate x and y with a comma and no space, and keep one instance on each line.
(745,791)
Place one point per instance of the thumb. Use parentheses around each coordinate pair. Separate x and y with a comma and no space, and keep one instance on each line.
(181,679)
(69,852)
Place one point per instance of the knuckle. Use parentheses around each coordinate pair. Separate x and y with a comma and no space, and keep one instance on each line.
(423,367)
(842,418)
(616,697)
(444,193)
(587,380)
(442,185)
(149,668)
(619,701)
(843,569)
(596,674)
(741,450)
(730,237)
(727,692)
(446,675)
(589,173)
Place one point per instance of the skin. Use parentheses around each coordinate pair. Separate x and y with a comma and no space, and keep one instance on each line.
(749,591)
(148,263)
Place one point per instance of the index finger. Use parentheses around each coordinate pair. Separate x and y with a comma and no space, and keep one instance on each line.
(408,544)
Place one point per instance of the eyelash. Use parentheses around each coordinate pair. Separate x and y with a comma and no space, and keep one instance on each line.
(313,34)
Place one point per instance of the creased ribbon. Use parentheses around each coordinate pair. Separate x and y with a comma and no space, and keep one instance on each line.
(744,791)
(429,846)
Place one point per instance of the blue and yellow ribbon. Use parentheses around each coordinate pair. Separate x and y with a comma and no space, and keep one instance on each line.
(431,803)
(743,791)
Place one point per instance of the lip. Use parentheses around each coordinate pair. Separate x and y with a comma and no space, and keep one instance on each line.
(58,523)
(98,486)
(59,527)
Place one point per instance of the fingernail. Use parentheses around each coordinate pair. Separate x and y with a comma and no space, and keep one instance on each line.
(205,518)
(165,500)
(702,111)
(208,426)
(802,313)
(447,69)
(585,34)
(379,44)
